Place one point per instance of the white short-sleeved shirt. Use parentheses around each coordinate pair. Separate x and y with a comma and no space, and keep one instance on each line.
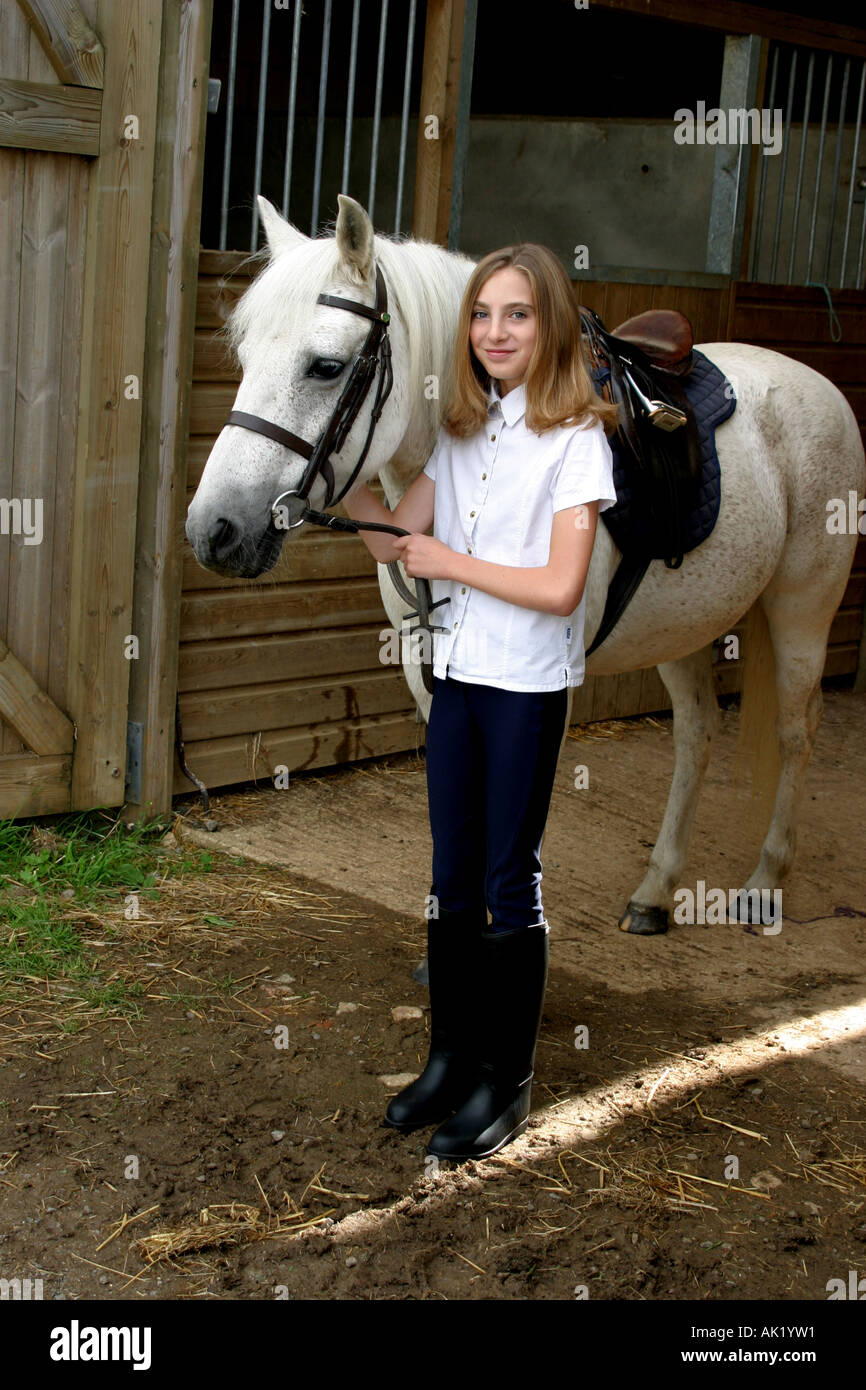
(496,495)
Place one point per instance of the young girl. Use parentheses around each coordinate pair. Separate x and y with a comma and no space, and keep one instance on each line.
(513,489)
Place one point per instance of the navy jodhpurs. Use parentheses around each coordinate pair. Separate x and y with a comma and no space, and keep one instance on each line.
(491,760)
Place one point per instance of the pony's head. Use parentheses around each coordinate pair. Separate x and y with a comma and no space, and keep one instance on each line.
(295,356)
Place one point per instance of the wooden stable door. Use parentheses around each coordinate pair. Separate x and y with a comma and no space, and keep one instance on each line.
(89,115)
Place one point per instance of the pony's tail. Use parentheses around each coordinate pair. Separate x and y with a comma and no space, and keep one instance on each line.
(757,753)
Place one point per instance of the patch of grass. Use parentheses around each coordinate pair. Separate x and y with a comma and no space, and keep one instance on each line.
(51,876)
(117,997)
(226,985)
(86,853)
(183,998)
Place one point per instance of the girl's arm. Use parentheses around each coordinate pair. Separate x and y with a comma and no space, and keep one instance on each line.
(556,587)
(414,512)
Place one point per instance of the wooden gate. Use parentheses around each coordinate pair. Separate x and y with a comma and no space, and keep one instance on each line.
(100,104)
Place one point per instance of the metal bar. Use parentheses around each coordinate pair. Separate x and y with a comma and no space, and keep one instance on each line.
(836,165)
(759,220)
(853,179)
(230,119)
(320,118)
(732,163)
(377,109)
(461,136)
(350,98)
(819,166)
(777,230)
(804,135)
(260,120)
(290,117)
(857,284)
(404,117)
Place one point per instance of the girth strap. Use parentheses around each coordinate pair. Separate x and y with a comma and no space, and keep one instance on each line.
(628,575)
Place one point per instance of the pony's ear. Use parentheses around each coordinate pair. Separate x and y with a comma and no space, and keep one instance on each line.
(279,233)
(354,237)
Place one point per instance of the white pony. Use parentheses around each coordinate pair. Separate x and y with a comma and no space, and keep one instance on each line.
(790,448)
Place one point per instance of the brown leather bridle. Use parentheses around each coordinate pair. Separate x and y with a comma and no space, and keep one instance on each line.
(375,353)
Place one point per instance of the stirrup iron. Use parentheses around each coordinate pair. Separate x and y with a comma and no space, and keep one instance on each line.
(663,416)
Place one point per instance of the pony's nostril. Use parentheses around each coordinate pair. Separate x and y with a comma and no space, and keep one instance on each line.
(223,538)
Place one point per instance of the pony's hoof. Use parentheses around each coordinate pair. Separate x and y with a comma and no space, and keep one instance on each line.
(754,910)
(740,909)
(422,974)
(644,921)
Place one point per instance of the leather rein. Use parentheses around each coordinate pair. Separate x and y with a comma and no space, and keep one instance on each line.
(375,353)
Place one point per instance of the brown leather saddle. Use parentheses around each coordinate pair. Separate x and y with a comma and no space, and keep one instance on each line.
(663,335)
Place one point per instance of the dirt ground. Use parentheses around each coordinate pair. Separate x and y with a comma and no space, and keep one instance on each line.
(708,1143)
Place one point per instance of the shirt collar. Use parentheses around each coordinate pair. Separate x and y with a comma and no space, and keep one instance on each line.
(513,406)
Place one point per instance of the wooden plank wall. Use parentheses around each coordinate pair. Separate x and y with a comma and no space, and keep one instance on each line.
(440,93)
(43,218)
(283,670)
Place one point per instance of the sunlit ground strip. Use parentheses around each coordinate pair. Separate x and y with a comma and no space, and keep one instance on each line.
(673,1080)
(590,1117)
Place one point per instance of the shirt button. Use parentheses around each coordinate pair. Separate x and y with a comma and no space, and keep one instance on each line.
(471,513)
(469,550)
(492,437)
(483,476)
(457,624)
(463,590)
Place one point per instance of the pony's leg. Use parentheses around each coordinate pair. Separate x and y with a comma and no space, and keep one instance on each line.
(696,719)
(800,649)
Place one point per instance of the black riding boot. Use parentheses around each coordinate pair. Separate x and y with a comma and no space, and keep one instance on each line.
(513,980)
(452,951)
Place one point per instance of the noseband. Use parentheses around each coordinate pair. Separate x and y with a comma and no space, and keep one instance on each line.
(376,352)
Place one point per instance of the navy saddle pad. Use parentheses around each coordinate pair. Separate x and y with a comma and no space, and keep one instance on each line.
(712,399)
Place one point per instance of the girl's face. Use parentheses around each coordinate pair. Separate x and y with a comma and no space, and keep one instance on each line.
(503,326)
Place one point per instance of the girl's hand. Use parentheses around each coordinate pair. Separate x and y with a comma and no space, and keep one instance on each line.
(424,557)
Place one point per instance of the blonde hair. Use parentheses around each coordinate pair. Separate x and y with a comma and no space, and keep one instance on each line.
(559,389)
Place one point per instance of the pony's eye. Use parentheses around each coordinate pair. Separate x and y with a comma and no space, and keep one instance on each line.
(326,368)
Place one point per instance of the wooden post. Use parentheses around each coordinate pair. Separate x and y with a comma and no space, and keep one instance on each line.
(443,116)
(182,117)
(109,426)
